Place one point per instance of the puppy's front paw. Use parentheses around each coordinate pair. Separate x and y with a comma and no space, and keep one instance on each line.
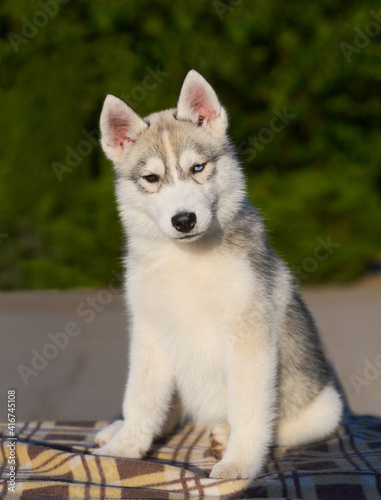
(106,434)
(116,450)
(122,445)
(231,470)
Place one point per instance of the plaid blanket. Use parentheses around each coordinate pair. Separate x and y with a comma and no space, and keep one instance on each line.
(53,461)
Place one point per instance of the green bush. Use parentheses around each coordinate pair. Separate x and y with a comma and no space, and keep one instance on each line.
(319,176)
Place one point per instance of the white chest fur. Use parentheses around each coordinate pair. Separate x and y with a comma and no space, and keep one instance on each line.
(192,301)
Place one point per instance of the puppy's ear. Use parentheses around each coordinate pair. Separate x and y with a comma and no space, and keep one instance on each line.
(120,126)
(199,103)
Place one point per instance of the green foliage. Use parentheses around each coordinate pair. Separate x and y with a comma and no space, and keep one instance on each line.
(318,176)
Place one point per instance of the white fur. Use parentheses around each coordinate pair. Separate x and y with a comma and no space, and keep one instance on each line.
(202,320)
(154,165)
(190,157)
(195,339)
(313,423)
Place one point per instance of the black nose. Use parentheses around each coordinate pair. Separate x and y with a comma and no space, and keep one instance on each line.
(184,221)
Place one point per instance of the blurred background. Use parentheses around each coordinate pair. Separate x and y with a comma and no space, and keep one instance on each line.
(302,87)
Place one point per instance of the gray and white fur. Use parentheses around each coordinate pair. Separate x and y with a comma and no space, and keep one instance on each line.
(218,331)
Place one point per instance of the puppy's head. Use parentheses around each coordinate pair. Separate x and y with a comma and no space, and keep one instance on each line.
(176,174)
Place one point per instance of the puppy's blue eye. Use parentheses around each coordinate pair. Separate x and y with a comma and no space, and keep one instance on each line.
(198,168)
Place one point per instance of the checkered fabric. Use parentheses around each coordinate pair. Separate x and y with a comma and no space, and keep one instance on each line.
(54,461)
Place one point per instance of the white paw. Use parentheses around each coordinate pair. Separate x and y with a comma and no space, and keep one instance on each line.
(123,444)
(116,450)
(106,434)
(231,470)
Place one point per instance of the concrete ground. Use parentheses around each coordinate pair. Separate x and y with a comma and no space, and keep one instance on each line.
(65,352)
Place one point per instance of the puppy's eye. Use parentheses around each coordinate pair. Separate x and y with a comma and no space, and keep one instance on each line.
(151,178)
(199,167)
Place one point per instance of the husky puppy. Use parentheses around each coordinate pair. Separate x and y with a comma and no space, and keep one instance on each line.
(216,319)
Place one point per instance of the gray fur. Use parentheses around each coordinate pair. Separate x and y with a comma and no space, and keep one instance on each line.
(304,369)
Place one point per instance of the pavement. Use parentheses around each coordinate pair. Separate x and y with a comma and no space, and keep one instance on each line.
(65,352)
